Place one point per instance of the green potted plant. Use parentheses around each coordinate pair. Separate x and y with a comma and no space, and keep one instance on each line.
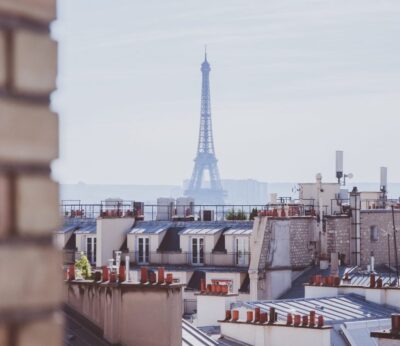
(83,268)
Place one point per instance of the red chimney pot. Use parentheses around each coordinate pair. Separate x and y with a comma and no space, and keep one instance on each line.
(228,315)
(152,277)
(235,315)
(71,272)
(144,275)
(170,279)
(305,321)
(289,319)
(161,275)
(272,315)
(263,317)
(249,316)
(372,280)
(320,321)
(312,318)
(297,319)
(257,312)
(105,274)
(122,274)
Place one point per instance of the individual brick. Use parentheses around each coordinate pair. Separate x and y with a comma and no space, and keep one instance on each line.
(46,332)
(28,133)
(31,277)
(5,205)
(36,205)
(40,10)
(35,62)
(3,59)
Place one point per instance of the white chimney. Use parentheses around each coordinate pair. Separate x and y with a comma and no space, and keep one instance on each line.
(127,268)
(339,165)
(372,263)
(384,179)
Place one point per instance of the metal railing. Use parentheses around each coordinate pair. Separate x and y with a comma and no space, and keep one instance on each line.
(191,212)
(78,210)
(70,255)
(217,259)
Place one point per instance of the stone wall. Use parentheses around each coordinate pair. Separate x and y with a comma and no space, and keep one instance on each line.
(341,233)
(31,284)
(302,246)
(380,248)
(301,241)
(302,249)
(338,236)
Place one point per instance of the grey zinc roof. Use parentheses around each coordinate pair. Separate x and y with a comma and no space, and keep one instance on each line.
(78,225)
(358,333)
(150,227)
(350,307)
(238,231)
(87,227)
(70,224)
(239,228)
(204,230)
(364,280)
(191,336)
(203,227)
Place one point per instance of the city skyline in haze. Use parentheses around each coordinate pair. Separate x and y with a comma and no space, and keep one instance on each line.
(291,82)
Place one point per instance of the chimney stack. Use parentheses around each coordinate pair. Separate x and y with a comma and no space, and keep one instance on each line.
(395,324)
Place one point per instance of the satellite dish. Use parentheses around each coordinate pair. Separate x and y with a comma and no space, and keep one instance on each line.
(350,175)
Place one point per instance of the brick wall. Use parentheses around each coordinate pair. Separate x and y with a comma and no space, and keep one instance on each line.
(31,283)
(338,236)
(340,233)
(301,234)
(380,248)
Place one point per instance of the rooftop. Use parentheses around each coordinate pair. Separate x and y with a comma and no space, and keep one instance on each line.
(78,225)
(193,227)
(150,227)
(335,310)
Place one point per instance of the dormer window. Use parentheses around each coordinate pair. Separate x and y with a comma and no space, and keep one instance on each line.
(197,251)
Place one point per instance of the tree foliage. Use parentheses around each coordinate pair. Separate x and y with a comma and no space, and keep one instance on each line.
(83,266)
(231,214)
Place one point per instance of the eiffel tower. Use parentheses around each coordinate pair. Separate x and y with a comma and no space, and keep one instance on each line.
(205,159)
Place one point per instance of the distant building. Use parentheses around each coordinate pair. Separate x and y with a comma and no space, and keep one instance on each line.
(205,161)
(245,191)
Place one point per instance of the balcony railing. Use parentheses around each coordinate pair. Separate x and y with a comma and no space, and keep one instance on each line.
(215,259)
(70,256)
(191,212)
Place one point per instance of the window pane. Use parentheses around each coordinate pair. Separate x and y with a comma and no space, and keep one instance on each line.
(94,250)
(140,250)
(146,252)
(201,240)
(89,249)
(194,250)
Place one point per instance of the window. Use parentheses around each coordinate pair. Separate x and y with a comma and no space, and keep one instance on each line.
(374,233)
(242,251)
(197,251)
(91,251)
(143,250)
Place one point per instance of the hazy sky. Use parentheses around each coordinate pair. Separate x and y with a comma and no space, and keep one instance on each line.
(291,82)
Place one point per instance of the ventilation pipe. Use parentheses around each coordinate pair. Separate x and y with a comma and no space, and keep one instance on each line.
(372,262)
(383,186)
(355,204)
(127,263)
(384,179)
